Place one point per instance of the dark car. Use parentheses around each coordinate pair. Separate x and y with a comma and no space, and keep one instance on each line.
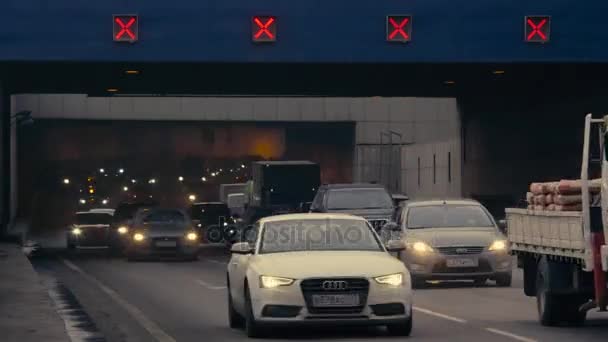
(212,219)
(89,230)
(162,232)
(371,201)
(123,219)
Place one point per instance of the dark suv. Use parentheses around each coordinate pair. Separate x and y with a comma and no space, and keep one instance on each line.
(370,201)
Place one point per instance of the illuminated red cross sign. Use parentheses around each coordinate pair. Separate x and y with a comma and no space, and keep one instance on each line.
(399,28)
(538,29)
(125,28)
(264,29)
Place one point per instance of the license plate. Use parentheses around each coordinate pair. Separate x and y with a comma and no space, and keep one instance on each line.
(462,262)
(166,244)
(335,300)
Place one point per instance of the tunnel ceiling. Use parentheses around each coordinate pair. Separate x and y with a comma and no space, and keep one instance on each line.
(304,79)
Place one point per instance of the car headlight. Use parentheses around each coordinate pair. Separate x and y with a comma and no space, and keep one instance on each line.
(390,279)
(138,237)
(498,245)
(123,230)
(76,231)
(421,247)
(191,236)
(269,282)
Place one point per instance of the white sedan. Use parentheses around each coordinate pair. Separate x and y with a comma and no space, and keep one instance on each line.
(317,269)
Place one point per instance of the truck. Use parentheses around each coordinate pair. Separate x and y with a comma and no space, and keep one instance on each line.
(278,187)
(227,189)
(564,255)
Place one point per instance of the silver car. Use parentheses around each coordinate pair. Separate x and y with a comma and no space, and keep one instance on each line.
(162,232)
(453,240)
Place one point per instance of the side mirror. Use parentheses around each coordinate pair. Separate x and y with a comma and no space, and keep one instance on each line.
(395,246)
(241,248)
(502,225)
(305,207)
(391,227)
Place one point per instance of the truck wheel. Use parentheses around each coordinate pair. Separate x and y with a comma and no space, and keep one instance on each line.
(546,303)
(570,313)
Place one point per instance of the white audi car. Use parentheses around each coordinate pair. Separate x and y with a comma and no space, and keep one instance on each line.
(317,269)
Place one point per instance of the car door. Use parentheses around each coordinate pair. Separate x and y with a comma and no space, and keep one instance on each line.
(239,263)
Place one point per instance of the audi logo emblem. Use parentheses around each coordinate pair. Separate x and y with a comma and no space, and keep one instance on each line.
(461,250)
(334,285)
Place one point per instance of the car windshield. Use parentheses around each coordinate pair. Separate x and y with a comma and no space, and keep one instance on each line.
(318,235)
(376,198)
(448,216)
(128,211)
(93,218)
(164,217)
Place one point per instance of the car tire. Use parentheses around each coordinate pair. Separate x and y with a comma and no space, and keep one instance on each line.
(252,329)
(235,320)
(131,257)
(479,282)
(401,329)
(504,280)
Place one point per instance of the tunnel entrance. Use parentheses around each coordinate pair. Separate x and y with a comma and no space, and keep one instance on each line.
(71,165)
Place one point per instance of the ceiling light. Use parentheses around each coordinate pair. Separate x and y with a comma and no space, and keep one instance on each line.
(112,90)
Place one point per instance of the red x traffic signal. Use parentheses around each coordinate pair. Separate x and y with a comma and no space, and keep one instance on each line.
(399,28)
(125,28)
(538,28)
(264,29)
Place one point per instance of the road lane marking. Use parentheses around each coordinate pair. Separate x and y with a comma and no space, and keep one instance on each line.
(137,314)
(209,286)
(223,263)
(440,315)
(508,334)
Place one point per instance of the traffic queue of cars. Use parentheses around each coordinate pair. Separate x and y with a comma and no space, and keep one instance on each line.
(380,247)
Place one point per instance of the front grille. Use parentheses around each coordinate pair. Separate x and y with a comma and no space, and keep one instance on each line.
(165,239)
(460,250)
(314,286)
(377,224)
(93,237)
(441,267)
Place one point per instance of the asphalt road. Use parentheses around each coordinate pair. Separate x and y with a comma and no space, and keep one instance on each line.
(168,301)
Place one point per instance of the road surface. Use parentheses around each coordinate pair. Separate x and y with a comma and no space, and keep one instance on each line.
(168,301)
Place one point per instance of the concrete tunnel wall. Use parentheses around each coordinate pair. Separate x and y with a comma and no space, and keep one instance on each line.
(429,127)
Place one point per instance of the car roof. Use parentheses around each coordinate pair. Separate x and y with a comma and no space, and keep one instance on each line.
(432,202)
(310,216)
(92,212)
(353,186)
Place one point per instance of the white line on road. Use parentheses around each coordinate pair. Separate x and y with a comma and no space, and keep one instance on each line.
(209,286)
(440,315)
(137,314)
(508,334)
(223,263)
